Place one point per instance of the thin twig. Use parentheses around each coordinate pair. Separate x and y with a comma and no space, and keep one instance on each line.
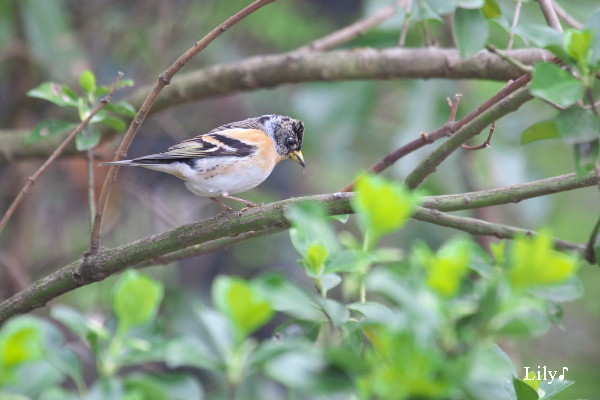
(515,21)
(350,32)
(568,18)
(448,129)
(590,248)
(549,12)
(163,80)
(453,105)
(33,178)
(503,55)
(485,144)
(484,228)
(91,186)
(430,163)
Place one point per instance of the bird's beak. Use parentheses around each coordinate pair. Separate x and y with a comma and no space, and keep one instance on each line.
(297,156)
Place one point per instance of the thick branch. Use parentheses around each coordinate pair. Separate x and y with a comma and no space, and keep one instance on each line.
(274,70)
(511,194)
(212,234)
(357,64)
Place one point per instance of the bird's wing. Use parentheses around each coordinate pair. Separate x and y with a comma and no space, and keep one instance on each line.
(219,144)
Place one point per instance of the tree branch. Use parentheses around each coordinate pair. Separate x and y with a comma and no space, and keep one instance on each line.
(469,130)
(164,79)
(270,71)
(510,194)
(484,228)
(357,64)
(56,153)
(549,12)
(213,234)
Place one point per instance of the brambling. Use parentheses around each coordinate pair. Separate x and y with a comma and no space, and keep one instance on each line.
(230,159)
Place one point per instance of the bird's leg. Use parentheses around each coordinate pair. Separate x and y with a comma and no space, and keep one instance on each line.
(248,204)
(225,207)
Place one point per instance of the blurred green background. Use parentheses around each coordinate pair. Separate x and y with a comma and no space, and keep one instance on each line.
(349,126)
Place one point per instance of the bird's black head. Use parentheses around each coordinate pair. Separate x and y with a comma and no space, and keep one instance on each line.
(287,134)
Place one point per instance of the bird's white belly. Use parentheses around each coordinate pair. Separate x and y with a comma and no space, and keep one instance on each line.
(216,178)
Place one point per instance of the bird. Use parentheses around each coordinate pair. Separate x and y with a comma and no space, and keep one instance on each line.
(230,159)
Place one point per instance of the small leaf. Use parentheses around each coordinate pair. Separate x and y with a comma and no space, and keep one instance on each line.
(87,81)
(20,342)
(242,304)
(470,4)
(58,94)
(578,45)
(540,131)
(470,30)
(551,83)
(383,206)
(576,125)
(122,108)
(545,37)
(88,138)
(136,299)
(534,262)
(288,298)
(72,319)
(315,258)
(524,391)
(48,128)
(447,268)
(432,9)
(491,9)
(115,123)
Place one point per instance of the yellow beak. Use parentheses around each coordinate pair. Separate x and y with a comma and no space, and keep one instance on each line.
(297,156)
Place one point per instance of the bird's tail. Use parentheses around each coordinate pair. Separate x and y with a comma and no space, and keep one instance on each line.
(125,163)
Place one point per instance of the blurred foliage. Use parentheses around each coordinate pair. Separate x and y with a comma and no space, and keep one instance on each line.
(386,345)
(441,309)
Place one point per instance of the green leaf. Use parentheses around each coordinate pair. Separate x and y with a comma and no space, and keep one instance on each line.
(115,123)
(540,131)
(470,4)
(20,342)
(534,262)
(470,30)
(576,125)
(383,206)
(315,258)
(524,391)
(578,45)
(136,299)
(48,128)
(491,9)
(87,81)
(71,318)
(587,155)
(551,83)
(311,225)
(58,94)
(88,138)
(552,389)
(446,270)
(122,108)
(288,298)
(545,37)
(242,304)
(432,9)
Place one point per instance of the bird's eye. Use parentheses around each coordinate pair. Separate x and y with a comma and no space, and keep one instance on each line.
(290,141)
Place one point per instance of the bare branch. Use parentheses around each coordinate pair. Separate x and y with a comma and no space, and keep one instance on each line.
(33,178)
(483,228)
(350,32)
(448,129)
(549,12)
(485,144)
(568,18)
(163,80)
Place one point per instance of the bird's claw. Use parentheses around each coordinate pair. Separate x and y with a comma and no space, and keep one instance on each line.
(244,209)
